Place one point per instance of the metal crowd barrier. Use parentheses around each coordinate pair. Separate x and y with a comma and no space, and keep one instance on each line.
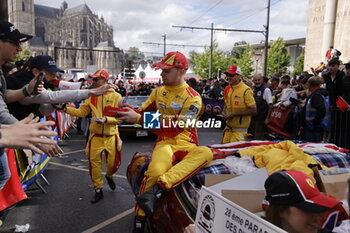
(340,128)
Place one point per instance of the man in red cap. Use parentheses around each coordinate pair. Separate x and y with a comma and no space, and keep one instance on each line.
(104,136)
(176,155)
(239,106)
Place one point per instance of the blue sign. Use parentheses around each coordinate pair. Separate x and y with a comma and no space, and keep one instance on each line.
(151,120)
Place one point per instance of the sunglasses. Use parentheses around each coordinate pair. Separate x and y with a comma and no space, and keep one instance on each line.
(230,75)
(95,79)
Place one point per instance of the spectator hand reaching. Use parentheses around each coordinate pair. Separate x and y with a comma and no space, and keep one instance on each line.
(28,134)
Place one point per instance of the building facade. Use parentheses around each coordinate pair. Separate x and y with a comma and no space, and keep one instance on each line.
(295,47)
(328,25)
(76,37)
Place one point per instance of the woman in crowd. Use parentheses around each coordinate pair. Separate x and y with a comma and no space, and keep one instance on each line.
(295,203)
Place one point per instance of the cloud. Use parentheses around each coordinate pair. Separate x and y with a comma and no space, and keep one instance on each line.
(138,21)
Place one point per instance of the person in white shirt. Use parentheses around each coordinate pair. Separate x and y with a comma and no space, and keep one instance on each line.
(287,93)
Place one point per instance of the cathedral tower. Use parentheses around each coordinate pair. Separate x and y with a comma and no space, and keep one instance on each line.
(21,14)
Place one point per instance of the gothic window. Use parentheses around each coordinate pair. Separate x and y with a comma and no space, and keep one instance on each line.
(85,23)
(23,6)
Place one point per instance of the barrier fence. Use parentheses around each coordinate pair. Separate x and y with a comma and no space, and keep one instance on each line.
(340,128)
(13,191)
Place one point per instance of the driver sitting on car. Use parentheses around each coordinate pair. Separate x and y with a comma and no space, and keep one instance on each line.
(176,155)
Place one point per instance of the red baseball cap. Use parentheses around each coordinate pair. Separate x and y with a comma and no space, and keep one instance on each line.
(172,59)
(297,189)
(234,70)
(100,74)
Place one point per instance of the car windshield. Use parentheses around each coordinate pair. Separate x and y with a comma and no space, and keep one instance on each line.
(136,101)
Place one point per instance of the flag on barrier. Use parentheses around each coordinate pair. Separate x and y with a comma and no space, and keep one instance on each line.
(12,191)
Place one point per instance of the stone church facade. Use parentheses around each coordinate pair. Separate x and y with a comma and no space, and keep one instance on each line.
(76,37)
(328,24)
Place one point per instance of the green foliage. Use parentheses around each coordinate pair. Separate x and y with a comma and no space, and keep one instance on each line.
(245,62)
(24,54)
(135,54)
(278,58)
(299,65)
(238,50)
(191,56)
(201,61)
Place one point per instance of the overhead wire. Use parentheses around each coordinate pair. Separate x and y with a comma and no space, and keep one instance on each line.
(199,17)
(257,11)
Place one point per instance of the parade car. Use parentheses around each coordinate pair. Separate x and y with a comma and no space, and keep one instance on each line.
(177,208)
(128,129)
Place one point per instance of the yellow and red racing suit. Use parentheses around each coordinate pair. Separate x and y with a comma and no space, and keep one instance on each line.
(103,137)
(237,99)
(176,155)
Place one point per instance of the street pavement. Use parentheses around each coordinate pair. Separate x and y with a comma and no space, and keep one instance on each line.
(66,207)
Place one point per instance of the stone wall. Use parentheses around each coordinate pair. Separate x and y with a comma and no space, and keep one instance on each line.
(314,46)
(342,30)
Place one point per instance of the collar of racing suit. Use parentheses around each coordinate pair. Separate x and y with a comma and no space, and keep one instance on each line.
(178,87)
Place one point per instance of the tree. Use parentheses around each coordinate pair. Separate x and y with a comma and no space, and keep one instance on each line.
(239,49)
(299,65)
(278,58)
(220,61)
(246,62)
(24,54)
(135,54)
(191,56)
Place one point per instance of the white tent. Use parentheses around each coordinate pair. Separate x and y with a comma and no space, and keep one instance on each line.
(138,70)
(151,75)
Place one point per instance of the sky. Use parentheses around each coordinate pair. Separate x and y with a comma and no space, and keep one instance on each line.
(138,21)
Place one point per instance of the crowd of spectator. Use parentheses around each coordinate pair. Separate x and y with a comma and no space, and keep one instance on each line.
(285,91)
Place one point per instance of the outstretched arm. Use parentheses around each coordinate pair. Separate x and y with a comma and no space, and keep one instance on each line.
(27,134)
(65,96)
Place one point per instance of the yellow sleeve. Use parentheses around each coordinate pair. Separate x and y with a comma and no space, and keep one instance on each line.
(249,97)
(150,104)
(82,111)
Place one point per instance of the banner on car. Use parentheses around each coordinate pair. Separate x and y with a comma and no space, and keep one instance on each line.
(215,213)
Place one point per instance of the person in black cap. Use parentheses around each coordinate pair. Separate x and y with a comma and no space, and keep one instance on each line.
(10,46)
(295,203)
